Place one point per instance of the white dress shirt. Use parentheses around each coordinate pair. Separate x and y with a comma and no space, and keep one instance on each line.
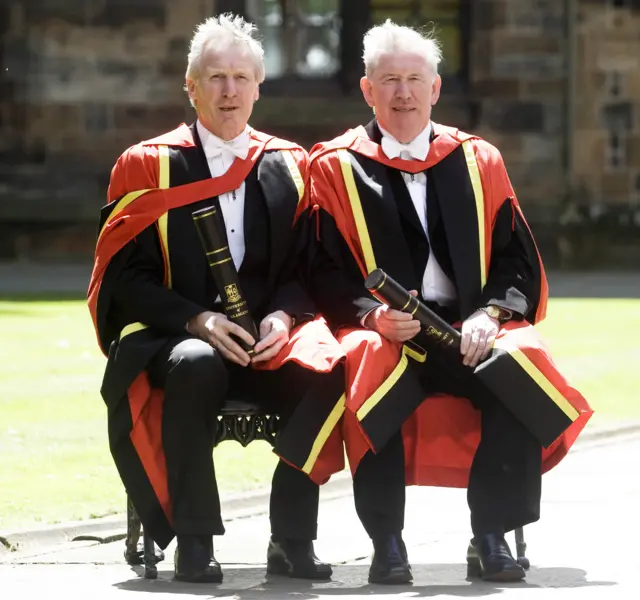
(220,155)
(436,286)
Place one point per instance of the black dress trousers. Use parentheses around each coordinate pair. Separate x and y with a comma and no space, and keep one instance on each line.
(196,380)
(505,480)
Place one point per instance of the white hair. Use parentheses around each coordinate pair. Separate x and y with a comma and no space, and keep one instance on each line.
(224,31)
(390,37)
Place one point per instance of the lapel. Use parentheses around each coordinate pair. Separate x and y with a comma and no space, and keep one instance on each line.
(406,207)
(251,208)
(403,199)
(252,213)
(281,197)
(200,166)
(252,201)
(456,202)
(437,233)
(433,207)
(382,218)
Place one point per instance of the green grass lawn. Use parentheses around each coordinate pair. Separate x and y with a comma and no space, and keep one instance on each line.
(55,463)
(54,458)
(594,343)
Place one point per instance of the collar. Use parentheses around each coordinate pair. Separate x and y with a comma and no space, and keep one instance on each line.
(418,148)
(215,146)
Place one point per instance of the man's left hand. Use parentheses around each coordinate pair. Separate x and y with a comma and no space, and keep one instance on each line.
(274,334)
(478,335)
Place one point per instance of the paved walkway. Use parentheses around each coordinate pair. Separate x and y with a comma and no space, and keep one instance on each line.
(584,547)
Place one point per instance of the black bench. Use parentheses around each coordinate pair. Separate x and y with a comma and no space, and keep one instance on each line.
(239,420)
(243,422)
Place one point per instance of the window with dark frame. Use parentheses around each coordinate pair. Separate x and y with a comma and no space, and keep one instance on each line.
(321,39)
(443,17)
(301,37)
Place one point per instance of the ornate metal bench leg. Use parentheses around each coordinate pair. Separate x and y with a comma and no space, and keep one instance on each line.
(131,554)
(150,558)
(521,549)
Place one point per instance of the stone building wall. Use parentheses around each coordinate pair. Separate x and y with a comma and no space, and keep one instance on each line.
(606,132)
(518,81)
(602,219)
(81,80)
(556,86)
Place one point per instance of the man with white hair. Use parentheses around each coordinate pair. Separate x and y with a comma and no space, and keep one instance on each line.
(433,207)
(172,354)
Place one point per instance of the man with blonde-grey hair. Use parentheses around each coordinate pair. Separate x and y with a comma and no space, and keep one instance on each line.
(433,207)
(173,355)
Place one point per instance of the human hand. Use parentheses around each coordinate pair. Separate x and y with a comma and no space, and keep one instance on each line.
(394,325)
(478,335)
(216,329)
(274,334)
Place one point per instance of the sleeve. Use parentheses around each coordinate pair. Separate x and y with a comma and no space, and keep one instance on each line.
(512,277)
(138,291)
(140,294)
(336,282)
(291,295)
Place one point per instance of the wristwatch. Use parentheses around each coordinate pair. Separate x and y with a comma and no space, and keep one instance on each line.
(502,315)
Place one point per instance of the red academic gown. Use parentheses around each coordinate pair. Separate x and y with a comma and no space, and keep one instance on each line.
(442,433)
(140,195)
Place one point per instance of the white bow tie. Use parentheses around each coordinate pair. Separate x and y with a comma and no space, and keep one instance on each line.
(238,146)
(418,149)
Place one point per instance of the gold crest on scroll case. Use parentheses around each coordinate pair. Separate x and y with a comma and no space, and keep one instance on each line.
(233,295)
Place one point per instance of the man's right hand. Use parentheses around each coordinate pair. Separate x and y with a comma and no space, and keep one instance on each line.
(215,329)
(394,325)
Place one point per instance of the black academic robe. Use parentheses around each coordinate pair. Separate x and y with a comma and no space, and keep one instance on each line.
(151,276)
(366,220)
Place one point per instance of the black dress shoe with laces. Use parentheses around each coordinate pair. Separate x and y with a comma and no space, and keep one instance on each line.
(194,560)
(390,564)
(489,558)
(296,558)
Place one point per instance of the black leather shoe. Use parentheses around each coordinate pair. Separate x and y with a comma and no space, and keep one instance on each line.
(490,559)
(390,564)
(296,558)
(194,560)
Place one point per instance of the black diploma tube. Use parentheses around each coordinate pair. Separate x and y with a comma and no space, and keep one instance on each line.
(499,374)
(390,292)
(214,241)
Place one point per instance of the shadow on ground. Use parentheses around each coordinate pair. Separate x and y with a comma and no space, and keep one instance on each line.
(430,581)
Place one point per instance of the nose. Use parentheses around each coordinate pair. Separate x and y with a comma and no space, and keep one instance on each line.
(403,91)
(229,89)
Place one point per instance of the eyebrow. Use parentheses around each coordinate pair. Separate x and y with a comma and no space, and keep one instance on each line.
(222,70)
(393,74)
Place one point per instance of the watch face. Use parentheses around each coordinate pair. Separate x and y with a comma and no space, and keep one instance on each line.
(493,312)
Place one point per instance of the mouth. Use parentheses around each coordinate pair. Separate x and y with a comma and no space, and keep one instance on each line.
(228,109)
(403,109)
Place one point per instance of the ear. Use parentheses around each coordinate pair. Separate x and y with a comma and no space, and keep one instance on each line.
(191,89)
(365,86)
(257,94)
(435,89)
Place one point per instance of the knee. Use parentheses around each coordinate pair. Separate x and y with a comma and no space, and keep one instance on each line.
(365,348)
(306,381)
(196,364)
(361,337)
(366,342)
